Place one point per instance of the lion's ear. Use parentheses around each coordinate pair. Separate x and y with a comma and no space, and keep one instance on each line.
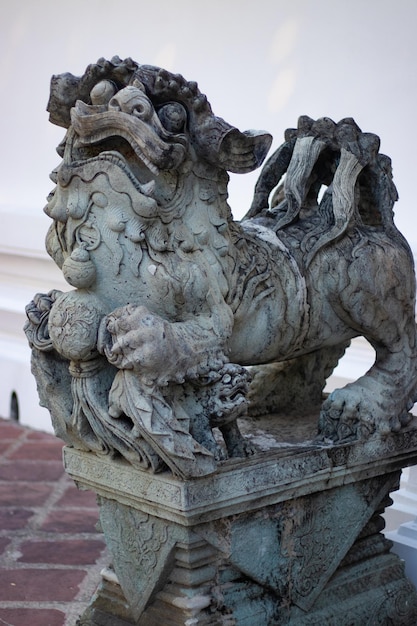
(244,152)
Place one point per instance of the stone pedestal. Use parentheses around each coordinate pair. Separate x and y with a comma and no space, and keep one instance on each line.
(291,536)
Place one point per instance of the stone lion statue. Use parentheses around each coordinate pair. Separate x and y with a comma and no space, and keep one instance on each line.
(181,319)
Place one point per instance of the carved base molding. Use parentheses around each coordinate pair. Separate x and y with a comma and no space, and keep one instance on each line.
(292,538)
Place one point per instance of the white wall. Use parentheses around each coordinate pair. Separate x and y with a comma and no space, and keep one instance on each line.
(25,269)
(262,64)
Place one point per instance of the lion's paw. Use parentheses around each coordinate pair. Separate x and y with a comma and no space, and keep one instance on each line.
(367,406)
(346,415)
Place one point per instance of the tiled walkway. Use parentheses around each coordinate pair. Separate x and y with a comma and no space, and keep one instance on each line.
(50,551)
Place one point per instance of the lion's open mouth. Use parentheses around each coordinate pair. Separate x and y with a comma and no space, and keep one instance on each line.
(144,144)
(139,169)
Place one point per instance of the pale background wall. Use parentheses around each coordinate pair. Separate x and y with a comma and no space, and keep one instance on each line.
(262,64)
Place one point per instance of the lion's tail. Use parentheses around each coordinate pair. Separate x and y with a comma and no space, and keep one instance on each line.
(340,160)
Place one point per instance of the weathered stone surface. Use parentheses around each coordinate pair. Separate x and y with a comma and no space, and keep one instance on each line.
(293,537)
(268,477)
(172,299)
(182,325)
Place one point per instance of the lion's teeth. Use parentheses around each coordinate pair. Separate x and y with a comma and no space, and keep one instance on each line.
(148,188)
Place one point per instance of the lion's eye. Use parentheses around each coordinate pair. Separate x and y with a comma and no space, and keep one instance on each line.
(173,117)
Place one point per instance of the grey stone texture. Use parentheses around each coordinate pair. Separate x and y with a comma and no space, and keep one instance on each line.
(190,344)
(294,537)
(172,299)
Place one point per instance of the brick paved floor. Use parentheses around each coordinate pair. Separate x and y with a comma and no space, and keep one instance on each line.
(51,554)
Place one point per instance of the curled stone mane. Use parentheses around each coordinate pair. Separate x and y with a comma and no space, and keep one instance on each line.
(161,86)
(210,134)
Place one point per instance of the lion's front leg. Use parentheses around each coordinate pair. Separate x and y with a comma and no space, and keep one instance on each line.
(159,351)
(185,364)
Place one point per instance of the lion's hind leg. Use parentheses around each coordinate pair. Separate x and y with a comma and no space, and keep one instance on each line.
(380,303)
(295,386)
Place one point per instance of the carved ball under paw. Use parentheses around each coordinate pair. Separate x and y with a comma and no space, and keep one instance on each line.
(73,325)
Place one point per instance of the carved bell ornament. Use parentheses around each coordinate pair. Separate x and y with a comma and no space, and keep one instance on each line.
(78,268)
